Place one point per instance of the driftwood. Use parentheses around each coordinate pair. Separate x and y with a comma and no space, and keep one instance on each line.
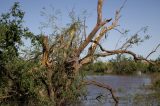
(105,86)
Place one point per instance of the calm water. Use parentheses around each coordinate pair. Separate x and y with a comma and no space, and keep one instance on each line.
(129,89)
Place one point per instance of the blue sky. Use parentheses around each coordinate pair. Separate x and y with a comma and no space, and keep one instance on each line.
(135,14)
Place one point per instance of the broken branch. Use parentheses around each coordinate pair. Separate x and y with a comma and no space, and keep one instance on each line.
(103,86)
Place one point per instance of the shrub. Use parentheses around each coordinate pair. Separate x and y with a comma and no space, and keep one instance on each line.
(97,67)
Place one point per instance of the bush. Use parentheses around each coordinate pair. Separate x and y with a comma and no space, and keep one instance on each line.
(124,65)
(97,67)
(155,78)
(154,68)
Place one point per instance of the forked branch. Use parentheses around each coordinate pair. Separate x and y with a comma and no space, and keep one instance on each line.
(113,52)
(103,86)
(105,29)
(99,24)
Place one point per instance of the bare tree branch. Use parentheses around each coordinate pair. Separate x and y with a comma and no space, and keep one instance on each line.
(99,12)
(153,51)
(103,86)
(85,35)
(135,39)
(95,29)
(123,5)
(86,60)
(113,52)
(104,30)
(45,47)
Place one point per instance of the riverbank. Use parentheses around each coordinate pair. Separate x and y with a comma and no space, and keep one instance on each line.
(122,65)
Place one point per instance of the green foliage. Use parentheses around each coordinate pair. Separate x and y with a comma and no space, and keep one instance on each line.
(16,81)
(29,81)
(122,65)
(24,80)
(157,84)
(155,78)
(11,33)
(97,67)
(154,68)
(12,30)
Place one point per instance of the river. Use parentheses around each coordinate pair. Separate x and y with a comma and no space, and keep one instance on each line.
(131,91)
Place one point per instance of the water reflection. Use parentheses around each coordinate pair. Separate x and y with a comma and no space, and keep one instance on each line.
(128,88)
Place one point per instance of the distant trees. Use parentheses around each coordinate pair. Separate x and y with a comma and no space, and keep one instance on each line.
(49,74)
(97,67)
(124,65)
(121,65)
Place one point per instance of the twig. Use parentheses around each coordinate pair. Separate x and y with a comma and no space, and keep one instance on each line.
(153,51)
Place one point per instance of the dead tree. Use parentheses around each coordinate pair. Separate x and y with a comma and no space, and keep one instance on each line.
(64,55)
